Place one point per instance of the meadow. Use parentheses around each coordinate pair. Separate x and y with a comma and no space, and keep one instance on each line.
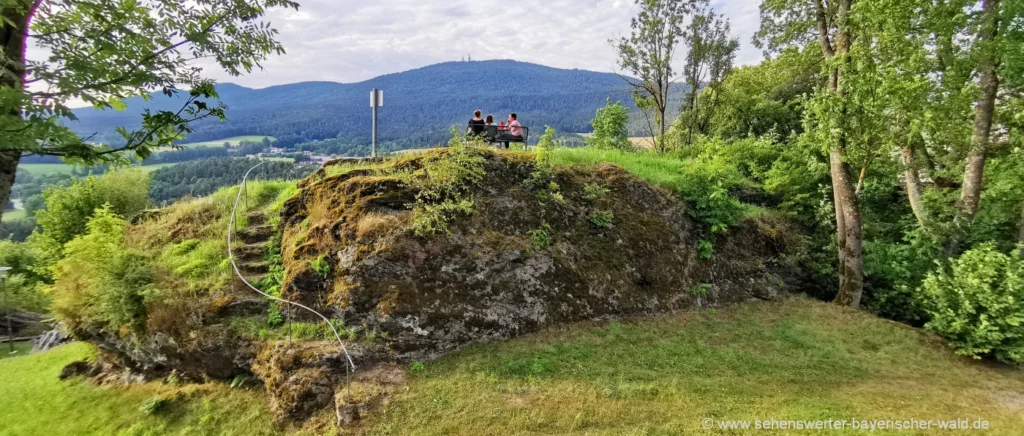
(234,141)
(791,360)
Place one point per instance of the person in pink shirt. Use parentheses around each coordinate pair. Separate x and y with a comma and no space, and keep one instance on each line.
(514,130)
(514,127)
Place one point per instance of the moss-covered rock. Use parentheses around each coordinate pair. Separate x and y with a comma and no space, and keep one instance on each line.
(531,252)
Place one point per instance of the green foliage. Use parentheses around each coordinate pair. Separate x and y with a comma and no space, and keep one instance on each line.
(204,177)
(434,219)
(700,290)
(154,405)
(546,145)
(69,209)
(321,267)
(445,186)
(610,127)
(99,283)
(706,249)
(978,304)
(602,219)
(709,58)
(417,367)
(593,192)
(761,100)
(541,236)
(87,61)
(702,183)
(24,293)
(647,53)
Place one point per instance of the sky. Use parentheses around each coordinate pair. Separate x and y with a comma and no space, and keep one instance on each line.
(355,40)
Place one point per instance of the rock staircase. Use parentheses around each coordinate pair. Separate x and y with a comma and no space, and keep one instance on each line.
(249,247)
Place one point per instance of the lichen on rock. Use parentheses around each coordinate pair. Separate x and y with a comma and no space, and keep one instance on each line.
(487,278)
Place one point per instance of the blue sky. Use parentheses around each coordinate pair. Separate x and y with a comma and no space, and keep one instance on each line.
(355,40)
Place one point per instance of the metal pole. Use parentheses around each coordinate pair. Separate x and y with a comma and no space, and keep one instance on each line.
(374,137)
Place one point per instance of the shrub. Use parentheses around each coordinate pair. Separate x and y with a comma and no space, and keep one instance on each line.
(69,209)
(444,184)
(610,127)
(978,304)
(99,284)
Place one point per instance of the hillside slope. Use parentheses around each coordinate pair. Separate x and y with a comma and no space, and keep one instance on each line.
(789,360)
(420,105)
(411,257)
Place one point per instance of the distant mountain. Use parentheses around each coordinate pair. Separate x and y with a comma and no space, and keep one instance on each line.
(420,105)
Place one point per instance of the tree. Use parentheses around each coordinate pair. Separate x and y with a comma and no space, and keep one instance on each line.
(989,63)
(647,55)
(709,59)
(790,22)
(610,127)
(103,52)
(68,210)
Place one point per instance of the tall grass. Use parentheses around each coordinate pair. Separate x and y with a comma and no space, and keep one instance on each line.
(703,183)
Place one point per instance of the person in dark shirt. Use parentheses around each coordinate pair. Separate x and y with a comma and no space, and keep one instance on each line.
(476,125)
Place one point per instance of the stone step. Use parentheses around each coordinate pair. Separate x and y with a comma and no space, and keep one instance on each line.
(253,268)
(256,218)
(249,252)
(255,234)
(246,306)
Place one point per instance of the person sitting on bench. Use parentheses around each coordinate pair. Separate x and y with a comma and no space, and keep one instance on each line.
(476,125)
(514,131)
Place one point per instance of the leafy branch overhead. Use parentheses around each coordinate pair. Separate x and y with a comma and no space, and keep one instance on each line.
(101,52)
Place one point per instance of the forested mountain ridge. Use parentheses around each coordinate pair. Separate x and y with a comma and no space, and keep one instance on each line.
(420,104)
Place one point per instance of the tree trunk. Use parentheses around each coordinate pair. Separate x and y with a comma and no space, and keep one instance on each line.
(848,218)
(8,166)
(974,172)
(851,249)
(13,35)
(913,184)
(661,129)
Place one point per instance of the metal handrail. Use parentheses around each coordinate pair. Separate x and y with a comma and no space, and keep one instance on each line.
(351,367)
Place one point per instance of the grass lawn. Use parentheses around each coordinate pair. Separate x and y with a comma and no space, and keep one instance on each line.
(42,169)
(234,141)
(34,402)
(797,359)
(20,349)
(16,214)
(654,168)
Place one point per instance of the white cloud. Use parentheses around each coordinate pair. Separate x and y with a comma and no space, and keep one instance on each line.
(356,40)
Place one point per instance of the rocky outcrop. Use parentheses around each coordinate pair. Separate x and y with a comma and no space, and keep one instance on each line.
(496,276)
(526,247)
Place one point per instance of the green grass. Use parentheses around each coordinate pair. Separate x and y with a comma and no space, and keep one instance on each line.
(234,141)
(792,360)
(17,214)
(657,169)
(20,349)
(44,169)
(34,402)
(797,359)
